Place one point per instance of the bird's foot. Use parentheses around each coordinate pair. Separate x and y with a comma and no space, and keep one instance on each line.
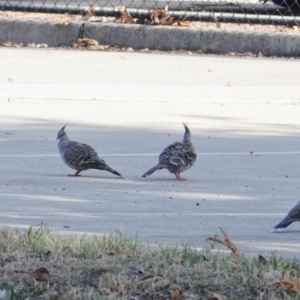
(179,178)
(75,175)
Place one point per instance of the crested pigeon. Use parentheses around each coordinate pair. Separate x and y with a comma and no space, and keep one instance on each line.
(177,157)
(80,157)
(292,216)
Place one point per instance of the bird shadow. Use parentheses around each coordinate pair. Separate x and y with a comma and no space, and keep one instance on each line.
(287,231)
(82,176)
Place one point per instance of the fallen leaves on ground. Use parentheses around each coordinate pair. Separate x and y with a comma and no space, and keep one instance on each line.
(40,274)
(120,288)
(161,16)
(88,13)
(226,242)
(89,44)
(125,16)
(177,261)
(216,296)
(162,283)
(155,282)
(184,23)
(84,269)
(176,294)
(10,44)
(291,285)
(70,19)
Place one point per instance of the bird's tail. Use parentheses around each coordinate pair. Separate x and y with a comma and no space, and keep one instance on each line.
(113,171)
(152,170)
(283,224)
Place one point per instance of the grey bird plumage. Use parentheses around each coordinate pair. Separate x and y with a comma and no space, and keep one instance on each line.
(80,157)
(291,217)
(177,157)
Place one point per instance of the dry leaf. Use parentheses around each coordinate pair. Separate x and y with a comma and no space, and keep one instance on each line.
(70,18)
(295,27)
(89,44)
(166,20)
(184,23)
(70,260)
(177,261)
(105,291)
(41,274)
(89,12)
(86,42)
(259,54)
(216,296)
(176,294)
(17,45)
(62,24)
(127,252)
(55,296)
(215,19)
(141,21)
(125,17)
(232,266)
(120,288)
(124,252)
(226,242)
(10,44)
(288,285)
(162,284)
(150,279)
(161,16)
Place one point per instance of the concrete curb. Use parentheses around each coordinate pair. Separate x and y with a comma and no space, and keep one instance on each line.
(38,32)
(208,40)
(152,37)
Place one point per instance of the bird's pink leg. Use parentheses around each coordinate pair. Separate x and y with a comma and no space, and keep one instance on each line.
(75,175)
(178,177)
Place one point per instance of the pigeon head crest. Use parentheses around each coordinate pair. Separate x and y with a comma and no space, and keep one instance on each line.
(61,133)
(187,134)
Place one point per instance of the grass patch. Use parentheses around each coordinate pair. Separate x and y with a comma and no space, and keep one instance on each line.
(38,264)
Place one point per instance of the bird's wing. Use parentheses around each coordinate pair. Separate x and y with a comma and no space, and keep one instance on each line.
(81,154)
(178,154)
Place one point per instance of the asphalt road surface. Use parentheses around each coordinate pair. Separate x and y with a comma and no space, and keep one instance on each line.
(243,115)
